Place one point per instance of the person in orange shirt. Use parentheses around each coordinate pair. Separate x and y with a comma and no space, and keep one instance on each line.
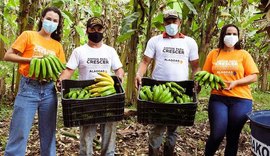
(35,94)
(227,108)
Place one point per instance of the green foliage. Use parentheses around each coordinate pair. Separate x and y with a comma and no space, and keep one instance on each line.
(6,71)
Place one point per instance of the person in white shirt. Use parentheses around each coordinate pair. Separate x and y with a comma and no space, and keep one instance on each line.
(91,58)
(172,52)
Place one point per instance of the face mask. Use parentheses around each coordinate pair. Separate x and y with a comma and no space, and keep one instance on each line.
(171,29)
(95,37)
(230,40)
(49,26)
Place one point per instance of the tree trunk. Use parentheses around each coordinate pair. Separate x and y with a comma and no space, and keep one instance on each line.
(2,45)
(206,35)
(132,55)
(33,10)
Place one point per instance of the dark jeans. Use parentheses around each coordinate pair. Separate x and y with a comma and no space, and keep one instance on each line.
(227,116)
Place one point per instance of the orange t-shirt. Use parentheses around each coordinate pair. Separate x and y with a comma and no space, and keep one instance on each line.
(231,66)
(31,43)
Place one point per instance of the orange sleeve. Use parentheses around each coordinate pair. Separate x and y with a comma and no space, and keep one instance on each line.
(61,55)
(249,65)
(208,62)
(21,42)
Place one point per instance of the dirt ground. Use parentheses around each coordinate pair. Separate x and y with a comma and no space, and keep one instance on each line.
(132,140)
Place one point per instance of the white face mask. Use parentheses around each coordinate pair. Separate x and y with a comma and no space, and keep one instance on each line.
(171,29)
(230,40)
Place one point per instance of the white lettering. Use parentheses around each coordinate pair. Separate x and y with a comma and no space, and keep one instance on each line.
(259,148)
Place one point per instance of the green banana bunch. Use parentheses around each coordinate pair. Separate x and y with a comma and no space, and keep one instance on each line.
(78,94)
(169,92)
(46,68)
(207,79)
(87,93)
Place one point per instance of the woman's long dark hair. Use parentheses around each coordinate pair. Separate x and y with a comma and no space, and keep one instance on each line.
(57,33)
(222,35)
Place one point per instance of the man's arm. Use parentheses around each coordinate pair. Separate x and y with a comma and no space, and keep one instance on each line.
(194,66)
(66,74)
(142,69)
(120,73)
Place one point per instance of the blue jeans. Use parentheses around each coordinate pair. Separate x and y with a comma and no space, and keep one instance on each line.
(156,139)
(108,135)
(227,116)
(33,96)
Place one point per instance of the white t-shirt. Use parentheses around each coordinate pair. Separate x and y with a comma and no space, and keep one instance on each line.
(92,60)
(172,56)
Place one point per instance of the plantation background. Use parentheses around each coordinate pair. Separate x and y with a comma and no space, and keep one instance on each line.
(129,25)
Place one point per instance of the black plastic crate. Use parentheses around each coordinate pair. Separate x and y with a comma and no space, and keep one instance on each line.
(79,112)
(149,112)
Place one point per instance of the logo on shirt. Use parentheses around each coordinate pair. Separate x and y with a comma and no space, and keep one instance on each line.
(228,67)
(97,61)
(173,50)
(40,51)
(170,55)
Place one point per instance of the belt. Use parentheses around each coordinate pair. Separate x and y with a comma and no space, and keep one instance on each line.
(40,82)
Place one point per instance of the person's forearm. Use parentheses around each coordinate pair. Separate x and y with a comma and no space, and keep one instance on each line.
(195,67)
(120,73)
(66,74)
(142,69)
(247,80)
(12,57)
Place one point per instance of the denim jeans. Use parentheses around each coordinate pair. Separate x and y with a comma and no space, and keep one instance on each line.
(156,139)
(108,135)
(227,116)
(33,97)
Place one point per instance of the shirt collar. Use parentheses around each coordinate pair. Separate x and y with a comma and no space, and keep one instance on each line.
(165,35)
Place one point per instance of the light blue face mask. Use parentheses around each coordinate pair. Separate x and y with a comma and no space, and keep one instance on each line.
(49,26)
(171,29)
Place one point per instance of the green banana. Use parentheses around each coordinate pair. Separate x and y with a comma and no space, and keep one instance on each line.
(103,89)
(179,99)
(49,69)
(143,96)
(108,92)
(205,77)
(53,66)
(159,92)
(32,66)
(176,91)
(86,96)
(217,78)
(211,77)
(37,68)
(168,84)
(149,94)
(174,84)
(57,63)
(169,100)
(163,94)
(155,92)
(212,84)
(81,94)
(201,73)
(166,97)
(216,86)
(43,68)
(74,95)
